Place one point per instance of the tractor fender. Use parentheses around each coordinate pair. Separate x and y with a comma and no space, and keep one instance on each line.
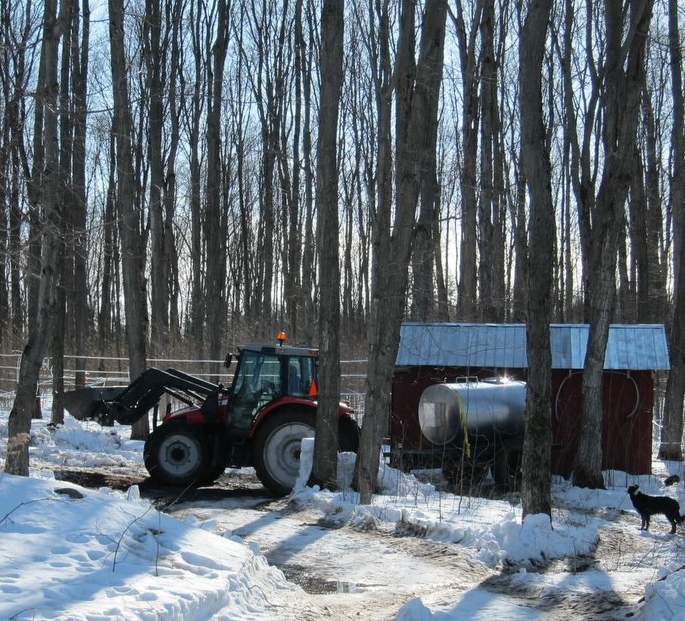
(344,410)
(272,408)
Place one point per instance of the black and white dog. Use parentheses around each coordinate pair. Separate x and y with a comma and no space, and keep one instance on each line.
(647,506)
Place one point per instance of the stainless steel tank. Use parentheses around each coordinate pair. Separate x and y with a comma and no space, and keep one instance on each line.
(481,408)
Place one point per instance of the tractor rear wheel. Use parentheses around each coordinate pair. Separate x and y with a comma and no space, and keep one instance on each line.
(175,455)
(276,449)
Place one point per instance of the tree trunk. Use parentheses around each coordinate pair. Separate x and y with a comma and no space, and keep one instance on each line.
(536,462)
(468,282)
(671,446)
(417,94)
(133,251)
(15,252)
(308,250)
(197,295)
(58,330)
(293,291)
(215,286)
(653,300)
(633,301)
(325,467)
(159,261)
(519,313)
(63,322)
(80,293)
(105,314)
(23,409)
(171,270)
(621,102)
(377,383)
(491,236)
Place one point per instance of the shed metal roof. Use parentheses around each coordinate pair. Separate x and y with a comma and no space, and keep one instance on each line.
(503,346)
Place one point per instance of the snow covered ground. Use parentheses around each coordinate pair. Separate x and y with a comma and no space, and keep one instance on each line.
(71,553)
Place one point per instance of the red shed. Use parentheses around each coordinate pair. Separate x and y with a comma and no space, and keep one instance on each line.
(433,353)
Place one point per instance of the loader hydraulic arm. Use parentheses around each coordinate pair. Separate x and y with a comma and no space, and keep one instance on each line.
(129,404)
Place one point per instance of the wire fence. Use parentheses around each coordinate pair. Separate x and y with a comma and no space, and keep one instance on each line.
(113,371)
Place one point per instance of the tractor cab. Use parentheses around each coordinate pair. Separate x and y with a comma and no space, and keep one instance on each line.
(268,374)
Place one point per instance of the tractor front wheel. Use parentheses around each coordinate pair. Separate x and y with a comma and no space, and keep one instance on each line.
(174,455)
(276,449)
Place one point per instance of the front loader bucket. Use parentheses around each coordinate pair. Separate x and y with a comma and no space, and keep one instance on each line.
(84,404)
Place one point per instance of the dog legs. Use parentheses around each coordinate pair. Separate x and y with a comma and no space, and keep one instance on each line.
(673,519)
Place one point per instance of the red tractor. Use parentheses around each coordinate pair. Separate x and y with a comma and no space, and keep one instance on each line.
(258,421)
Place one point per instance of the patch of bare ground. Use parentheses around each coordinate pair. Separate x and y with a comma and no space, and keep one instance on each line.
(559,603)
(626,556)
(398,569)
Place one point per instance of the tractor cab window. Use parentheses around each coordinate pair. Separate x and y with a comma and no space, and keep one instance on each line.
(257,382)
(302,373)
(258,372)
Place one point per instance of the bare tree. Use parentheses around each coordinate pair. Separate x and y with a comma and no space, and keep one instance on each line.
(266,76)
(535,161)
(78,220)
(426,243)
(170,246)
(466,41)
(62,328)
(325,467)
(9,111)
(243,259)
(17,460)
(491,200)
(133,254)
(215,222)
(18,25)
(649,263)
(154,55)
(417,94)
(70,323)
(367,90)
(109,262)
(193,111)
(672,435)
(308,235)
(621,96)
(290,169)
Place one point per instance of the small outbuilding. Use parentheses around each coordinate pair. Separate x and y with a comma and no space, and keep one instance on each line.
(434,353)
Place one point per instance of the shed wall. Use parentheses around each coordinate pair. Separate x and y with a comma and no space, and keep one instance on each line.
(627,413)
